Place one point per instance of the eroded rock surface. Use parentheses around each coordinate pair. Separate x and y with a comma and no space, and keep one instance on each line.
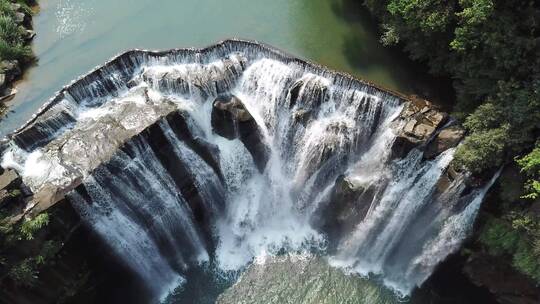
(420,121)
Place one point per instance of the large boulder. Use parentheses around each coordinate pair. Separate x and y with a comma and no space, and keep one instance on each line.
(231,119)
(346,205)
(228,112)
(446,139)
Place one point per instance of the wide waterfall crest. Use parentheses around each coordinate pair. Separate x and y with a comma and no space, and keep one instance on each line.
(238,151)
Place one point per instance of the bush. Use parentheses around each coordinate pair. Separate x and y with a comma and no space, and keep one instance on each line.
(482,150)
(518,236)
(10,32)
(499,237)
(12,42)
(30,227)
(526,260)
(530,165)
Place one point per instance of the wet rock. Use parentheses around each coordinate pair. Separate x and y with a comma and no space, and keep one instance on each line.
(207,151)
(446,139)
(235,108)
(294,92)
(302,116)
(446,179)
(231,120)
(227,113)
(403,145)
(345,207)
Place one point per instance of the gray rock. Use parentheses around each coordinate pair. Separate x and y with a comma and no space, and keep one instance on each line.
(346,206)
(19,18)
(15,6)
(235,107)
(446,139)
(421,122)
(231,120)
(8,177)
(302,116)
(29,34)
(423,131)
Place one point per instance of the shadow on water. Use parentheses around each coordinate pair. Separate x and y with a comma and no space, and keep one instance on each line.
(364,51)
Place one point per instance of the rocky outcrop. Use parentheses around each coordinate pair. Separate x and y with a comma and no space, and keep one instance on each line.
(231,119)
(444,140)
(420,121)
(346,206)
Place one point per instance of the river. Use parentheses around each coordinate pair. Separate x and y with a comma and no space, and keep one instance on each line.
(73,36)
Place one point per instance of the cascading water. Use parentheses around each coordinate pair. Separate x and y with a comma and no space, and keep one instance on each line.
(158,176)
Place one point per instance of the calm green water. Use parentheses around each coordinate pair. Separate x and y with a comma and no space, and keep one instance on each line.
(76,35)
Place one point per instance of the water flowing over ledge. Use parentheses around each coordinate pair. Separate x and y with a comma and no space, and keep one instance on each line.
(238,150)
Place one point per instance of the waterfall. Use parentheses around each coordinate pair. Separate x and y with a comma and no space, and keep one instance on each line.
(166,192)
(156,234)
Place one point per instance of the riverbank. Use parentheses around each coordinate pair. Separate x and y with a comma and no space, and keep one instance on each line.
(16,35)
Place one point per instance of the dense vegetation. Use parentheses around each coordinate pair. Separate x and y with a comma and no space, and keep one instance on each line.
(12,35)
(22,265)
(491,51)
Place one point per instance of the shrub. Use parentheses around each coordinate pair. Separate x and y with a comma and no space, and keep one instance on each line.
(30,227)
(530,165)
(517,236)
(483,149)
(499,237)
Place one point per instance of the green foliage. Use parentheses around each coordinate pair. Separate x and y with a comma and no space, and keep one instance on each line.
(490,48)
(30,227)
(482,150)
(15,193)
(15,51)
(516,235)
(530,165)
(427,15)
(499,237)
(526,260)
(24,273)
(12,35)
(10,31)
